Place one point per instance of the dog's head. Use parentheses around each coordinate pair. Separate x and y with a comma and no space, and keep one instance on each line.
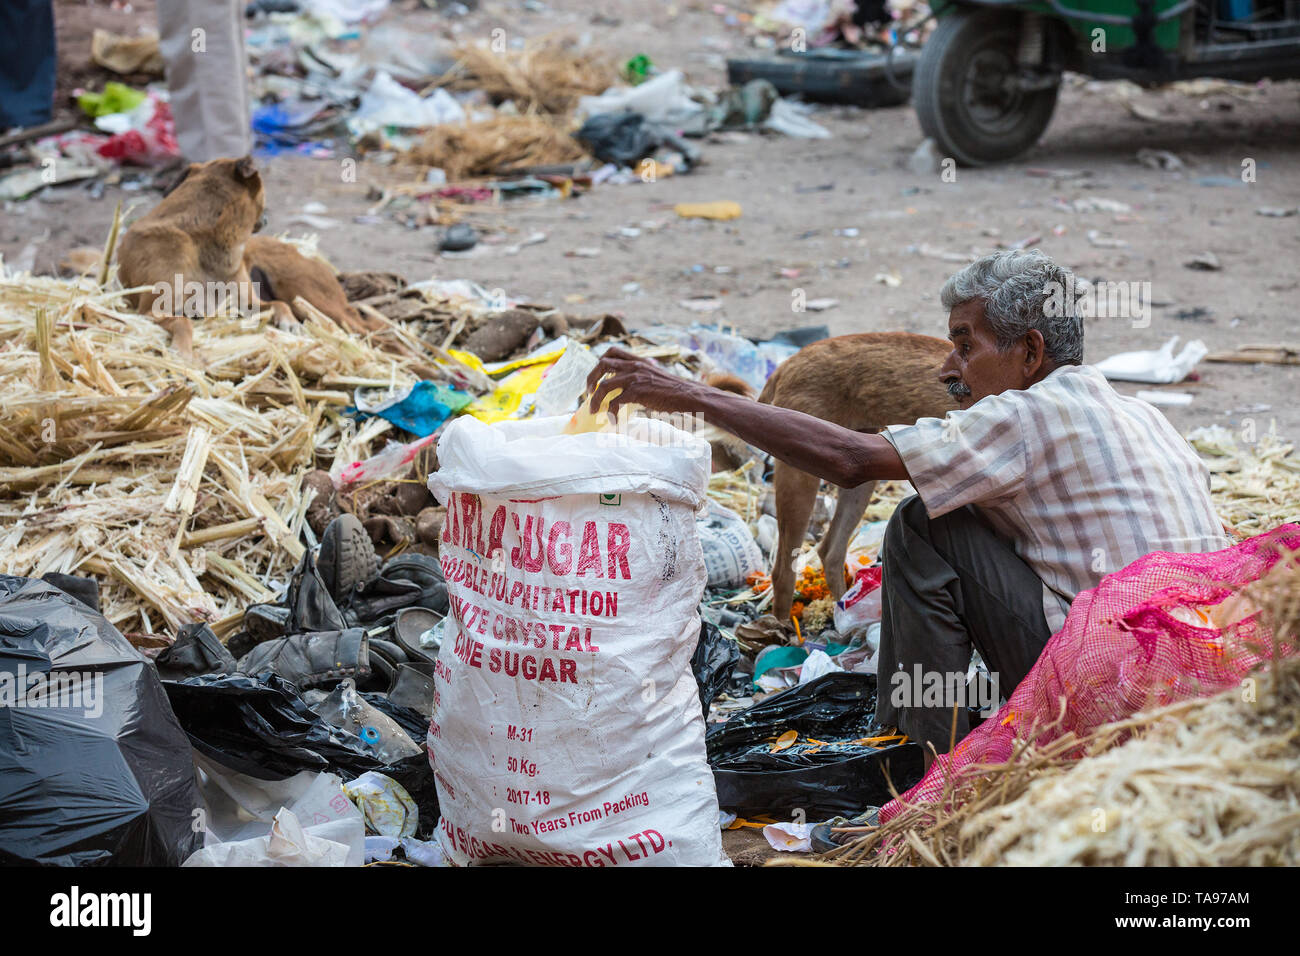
(236,180)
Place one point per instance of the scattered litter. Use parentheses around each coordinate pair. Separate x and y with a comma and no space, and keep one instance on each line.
(384,803)
(531,240)
(791,119)
(1099,204)
(662,99)
(1169,399)
(1231,181)
(458,238)
(1255,354)
(1158,366)
(1096,238)
(1204,262)
(387,103)
(720,209)
(1159,159)
(126,54)
(494,146)
(925,159)
(789,837)
(548,75)
(1143,111)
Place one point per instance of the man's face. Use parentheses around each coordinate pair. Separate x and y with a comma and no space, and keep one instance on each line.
(976,368)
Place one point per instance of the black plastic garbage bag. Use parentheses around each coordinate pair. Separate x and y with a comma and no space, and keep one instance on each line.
(821,781)
(103,778)
(712,662)
(258,725)
(622,138)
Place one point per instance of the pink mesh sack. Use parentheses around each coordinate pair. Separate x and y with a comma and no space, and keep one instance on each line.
(1145,637)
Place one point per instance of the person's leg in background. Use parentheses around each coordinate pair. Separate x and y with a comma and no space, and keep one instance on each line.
(202,42)
(951,583)
(27,63)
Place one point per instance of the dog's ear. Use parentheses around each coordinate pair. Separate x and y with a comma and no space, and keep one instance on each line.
(245,168)
(179,179)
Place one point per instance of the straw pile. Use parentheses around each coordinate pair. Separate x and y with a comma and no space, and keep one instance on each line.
(548,75)
(1212,781)
(1255,485)
(176,484)
(494,146)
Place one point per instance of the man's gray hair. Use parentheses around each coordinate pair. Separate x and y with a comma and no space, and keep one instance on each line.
(1014,286)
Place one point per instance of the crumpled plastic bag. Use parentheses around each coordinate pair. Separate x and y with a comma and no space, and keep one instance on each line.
(115,98)
(389,103)
(789,837)
(1157,366)
(387,807)
(664,99)
(288,844)
(320,827)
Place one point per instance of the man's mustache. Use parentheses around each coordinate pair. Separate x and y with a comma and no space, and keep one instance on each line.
(958,389)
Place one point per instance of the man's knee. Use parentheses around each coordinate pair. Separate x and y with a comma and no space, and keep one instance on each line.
(910,514)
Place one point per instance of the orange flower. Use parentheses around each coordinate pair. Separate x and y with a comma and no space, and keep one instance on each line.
(811,585)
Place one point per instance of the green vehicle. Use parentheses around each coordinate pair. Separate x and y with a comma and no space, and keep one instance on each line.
(988,76)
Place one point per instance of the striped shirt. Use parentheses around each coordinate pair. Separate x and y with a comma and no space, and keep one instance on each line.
(1082,480)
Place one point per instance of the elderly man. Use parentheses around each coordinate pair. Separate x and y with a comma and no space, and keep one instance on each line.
(1043,480)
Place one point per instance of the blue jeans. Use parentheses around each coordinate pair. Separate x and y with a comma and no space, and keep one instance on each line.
(27,60)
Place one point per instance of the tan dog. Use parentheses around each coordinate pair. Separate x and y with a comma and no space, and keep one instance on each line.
(863,382)
(281,274)
(198,232)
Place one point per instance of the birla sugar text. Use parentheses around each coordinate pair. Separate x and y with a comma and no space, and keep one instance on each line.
(539,548)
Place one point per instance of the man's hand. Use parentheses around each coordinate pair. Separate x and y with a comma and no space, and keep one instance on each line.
(642,383)
(843,457)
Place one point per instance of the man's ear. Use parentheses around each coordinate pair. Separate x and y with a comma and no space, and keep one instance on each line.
(179,179)
(1035,353)
(245,168)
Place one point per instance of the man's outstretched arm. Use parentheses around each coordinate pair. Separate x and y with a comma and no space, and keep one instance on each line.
(838,455)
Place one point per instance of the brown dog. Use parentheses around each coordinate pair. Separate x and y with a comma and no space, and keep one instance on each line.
(197,232)
(863,382)
(281,274)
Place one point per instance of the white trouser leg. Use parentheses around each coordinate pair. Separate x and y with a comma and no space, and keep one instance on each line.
(202,42)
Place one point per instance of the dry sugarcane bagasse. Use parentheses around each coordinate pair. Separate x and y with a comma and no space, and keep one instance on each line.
(178,485)
(1205,782)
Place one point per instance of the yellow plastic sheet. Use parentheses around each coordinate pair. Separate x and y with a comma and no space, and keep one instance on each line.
(509,395)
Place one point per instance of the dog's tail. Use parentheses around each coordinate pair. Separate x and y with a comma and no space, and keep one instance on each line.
(730,383)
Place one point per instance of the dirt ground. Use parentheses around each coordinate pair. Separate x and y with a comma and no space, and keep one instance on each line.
(842,211)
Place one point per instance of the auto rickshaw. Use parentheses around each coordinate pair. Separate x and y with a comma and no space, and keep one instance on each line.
(988,76)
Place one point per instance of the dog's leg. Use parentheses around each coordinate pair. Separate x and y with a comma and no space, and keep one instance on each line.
(282,316)
(796,496)
(848,513)
(182,332)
